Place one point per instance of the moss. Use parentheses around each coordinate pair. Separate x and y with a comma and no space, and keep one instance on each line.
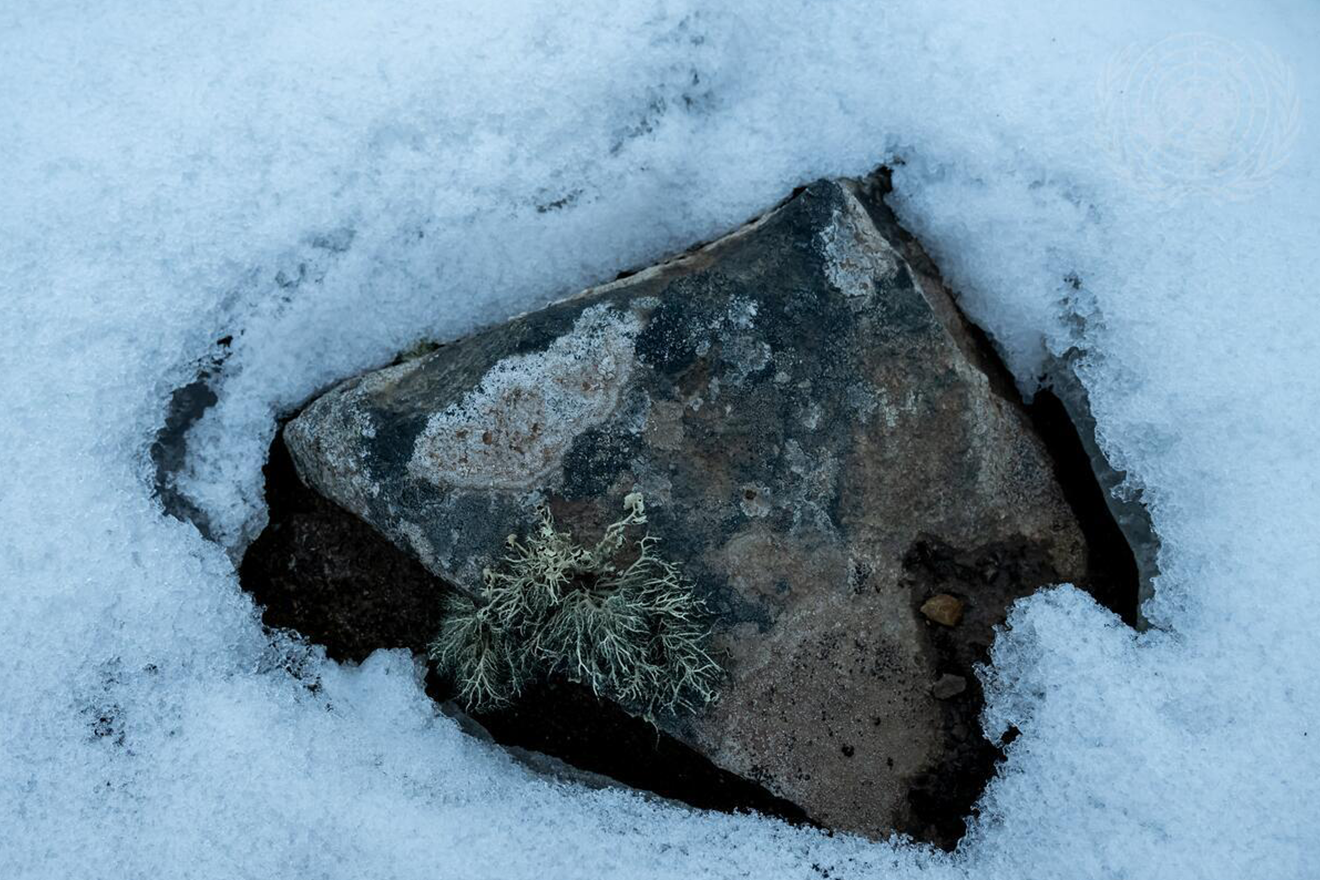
(632,630)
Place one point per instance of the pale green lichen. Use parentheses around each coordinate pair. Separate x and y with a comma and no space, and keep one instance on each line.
(631,630)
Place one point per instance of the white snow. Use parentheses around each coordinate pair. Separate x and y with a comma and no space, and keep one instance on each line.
(331,181)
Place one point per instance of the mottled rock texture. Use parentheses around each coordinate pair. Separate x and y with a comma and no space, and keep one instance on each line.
(823,445)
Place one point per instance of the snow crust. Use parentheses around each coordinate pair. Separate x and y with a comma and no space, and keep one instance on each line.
(329,182)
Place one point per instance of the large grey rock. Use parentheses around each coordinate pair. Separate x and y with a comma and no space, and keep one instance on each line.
(811,423)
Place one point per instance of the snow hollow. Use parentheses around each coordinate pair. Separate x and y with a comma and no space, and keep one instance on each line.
(1132,186)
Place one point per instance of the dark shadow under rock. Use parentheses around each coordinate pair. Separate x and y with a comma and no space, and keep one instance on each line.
(565,720)
(332,578)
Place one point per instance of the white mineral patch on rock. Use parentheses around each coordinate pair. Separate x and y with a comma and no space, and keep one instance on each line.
(515,427)
(857,254)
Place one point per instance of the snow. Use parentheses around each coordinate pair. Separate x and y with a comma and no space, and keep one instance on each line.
(329,182)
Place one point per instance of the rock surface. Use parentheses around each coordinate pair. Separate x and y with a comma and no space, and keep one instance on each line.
(823,445)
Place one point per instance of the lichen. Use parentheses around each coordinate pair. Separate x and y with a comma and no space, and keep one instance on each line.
(516,426)
(634,630)
(856,254)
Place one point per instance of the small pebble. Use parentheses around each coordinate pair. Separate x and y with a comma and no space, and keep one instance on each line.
(947,686)
(943,609)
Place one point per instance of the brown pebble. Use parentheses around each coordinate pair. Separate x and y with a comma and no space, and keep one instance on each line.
(943,609)
(947,686)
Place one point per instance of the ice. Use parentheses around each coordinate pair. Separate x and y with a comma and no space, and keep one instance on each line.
(330,182)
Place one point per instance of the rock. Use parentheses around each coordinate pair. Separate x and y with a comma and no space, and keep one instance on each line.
(948,686)
(943,609)
(820,439)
